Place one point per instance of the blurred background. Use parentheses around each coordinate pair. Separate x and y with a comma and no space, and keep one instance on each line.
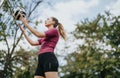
(92,49)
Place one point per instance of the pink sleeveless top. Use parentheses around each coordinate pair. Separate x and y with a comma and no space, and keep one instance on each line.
(48,43)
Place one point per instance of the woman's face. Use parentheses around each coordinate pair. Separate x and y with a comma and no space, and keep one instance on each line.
(49,22)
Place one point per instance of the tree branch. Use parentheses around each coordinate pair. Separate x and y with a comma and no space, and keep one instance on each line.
(15,44)
(34,7)
(7,44)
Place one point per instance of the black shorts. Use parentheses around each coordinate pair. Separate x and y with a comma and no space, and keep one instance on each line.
(47,62)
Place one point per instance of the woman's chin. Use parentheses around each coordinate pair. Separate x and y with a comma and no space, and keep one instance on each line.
(46,25)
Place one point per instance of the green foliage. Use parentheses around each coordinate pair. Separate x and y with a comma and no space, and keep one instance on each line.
(11,61)
(94,59)
(27,61)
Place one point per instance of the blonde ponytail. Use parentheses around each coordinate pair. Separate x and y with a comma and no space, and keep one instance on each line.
(60,28)
(62,31)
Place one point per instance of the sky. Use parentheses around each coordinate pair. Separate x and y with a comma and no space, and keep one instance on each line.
(1,1)
(70,12)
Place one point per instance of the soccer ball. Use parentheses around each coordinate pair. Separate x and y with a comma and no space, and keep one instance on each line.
(19,12)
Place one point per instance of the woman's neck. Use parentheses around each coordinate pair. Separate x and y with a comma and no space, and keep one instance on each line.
(50,27)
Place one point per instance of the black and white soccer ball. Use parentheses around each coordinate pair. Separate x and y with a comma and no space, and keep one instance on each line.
(19,12)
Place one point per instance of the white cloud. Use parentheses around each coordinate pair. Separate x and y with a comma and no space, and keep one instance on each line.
(75,7)
(114,7)
(68,12)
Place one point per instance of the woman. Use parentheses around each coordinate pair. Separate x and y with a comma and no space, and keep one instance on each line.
(47,62)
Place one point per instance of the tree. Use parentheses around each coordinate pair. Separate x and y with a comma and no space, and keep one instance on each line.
(25,63)
(98,57)
(11,36)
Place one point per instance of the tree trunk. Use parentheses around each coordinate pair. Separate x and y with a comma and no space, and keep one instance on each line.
(102,74)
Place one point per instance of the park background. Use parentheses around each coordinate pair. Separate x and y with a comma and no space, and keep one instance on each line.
(92,49)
